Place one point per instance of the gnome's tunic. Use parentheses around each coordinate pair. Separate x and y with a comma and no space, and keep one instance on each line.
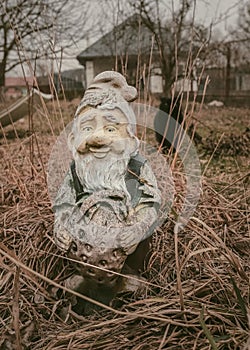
(120,224)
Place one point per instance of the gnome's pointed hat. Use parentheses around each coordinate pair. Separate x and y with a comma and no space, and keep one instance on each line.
(110,90)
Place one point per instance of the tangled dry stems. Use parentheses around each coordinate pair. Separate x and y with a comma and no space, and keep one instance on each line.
(198,291)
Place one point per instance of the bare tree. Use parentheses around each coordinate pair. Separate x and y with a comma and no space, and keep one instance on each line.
(241,34)
(175,33)
(244,20)
(34,29)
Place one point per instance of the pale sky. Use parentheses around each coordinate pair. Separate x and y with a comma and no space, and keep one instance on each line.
(212,10)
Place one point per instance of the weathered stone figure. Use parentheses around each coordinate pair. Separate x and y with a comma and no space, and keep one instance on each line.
(107,206)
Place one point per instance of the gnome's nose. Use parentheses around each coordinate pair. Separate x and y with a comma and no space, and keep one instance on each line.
(98,139)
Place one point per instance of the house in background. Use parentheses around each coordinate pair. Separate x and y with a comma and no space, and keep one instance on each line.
(242,84)
(16,87)
(229,80)
(129,49)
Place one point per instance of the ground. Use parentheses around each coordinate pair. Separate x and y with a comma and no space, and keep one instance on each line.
(197,295)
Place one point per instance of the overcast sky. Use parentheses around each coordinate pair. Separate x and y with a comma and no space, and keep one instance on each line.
(211,10)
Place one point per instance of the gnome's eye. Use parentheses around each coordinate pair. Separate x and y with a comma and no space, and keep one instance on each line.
(87,128)
(111,129)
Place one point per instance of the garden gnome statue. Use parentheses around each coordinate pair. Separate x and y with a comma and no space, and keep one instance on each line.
(107,206)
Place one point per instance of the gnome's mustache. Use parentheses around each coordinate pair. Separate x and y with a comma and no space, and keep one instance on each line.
(92,146)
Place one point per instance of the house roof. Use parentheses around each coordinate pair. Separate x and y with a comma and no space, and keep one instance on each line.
(128,38)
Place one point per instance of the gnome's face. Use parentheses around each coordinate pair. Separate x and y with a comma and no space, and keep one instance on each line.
(102,133)
(102,143)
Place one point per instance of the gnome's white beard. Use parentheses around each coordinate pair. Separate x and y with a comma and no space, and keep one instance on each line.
(102,174)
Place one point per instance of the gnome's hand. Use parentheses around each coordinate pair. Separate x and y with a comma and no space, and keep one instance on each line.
(62,238)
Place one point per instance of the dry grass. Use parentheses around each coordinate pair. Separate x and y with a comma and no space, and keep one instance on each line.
(198,296)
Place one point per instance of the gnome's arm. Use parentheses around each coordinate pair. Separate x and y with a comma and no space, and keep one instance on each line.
(147,210)
(63,207)
(150,193)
